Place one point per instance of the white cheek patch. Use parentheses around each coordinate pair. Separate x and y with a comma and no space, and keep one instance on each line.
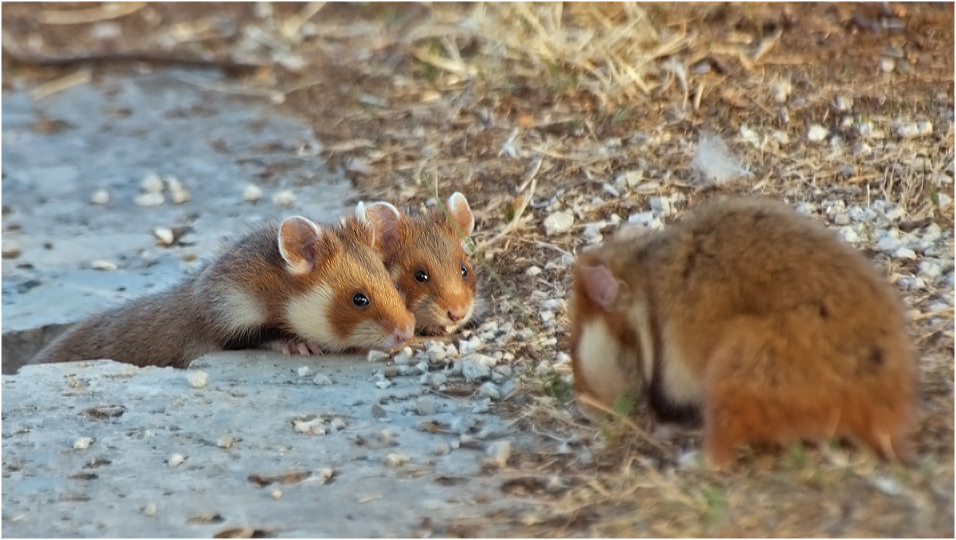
(239,310)
(640,321)
(308,317)
(680,384)
(602,366)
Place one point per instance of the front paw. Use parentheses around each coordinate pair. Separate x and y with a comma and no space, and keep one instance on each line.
(292,347)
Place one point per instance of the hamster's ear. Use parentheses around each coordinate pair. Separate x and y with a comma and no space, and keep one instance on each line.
(460,213)
(600,285)
(297,244)
(383,218)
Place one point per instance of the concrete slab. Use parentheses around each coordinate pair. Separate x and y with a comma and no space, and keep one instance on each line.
(123,483)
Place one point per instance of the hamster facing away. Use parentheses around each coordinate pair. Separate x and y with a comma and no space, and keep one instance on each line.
(754,316)
(298,283)
(423,252)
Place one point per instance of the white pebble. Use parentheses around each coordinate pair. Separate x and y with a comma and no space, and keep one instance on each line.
(397,460)
(888,244)
(337,424)
(558,223)
(315,426)
(661,205)
(149,199)
(103,264)
(849,235)
(164,235)
(817,133)
(500,452)
(491,390)
(322,379)
(434,379)
(100,196)
(904,253)
(930,269)
(887,65)
(181,196)
(284,198)
(175,459)
(82,443)
(442,449)
(887,485)
(304,371)
(225,441)
(383,384)
(533,271)
(153,183)
(198,379)
(425,406)
(324,475)
(252,193)
(150,509)
(376,356)
(404,357)
(473,371)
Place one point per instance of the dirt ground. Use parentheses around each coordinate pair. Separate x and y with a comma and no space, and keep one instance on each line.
(546,104)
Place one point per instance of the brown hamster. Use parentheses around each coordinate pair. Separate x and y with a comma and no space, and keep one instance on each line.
(755,318)
(298,283)
(423,252)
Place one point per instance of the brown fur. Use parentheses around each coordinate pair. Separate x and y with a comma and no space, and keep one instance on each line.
(423,239)
(791,333)
(174,327)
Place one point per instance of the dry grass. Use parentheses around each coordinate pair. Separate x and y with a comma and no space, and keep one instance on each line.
(527,108)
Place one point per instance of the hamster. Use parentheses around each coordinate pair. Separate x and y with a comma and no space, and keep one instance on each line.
(423,252)
(751,318)
(295,286)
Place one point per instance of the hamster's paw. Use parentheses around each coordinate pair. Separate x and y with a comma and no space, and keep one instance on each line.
(296,347)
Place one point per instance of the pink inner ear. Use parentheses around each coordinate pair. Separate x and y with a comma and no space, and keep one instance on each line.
(600,285)
(297,237)
(460,212)
(384,218)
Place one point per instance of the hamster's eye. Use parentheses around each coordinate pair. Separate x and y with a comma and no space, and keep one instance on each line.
(396,286)
(360,300)
(464,272)
(421,276)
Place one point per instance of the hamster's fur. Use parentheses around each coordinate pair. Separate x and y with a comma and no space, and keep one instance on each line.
(423,252)
(323,285)
(753,317)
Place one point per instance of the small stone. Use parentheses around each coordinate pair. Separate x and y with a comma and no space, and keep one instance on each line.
(474,371)
(817,133)
(284,198)
(252,193)
(198,379)
(842,104)
(904,253)
(377,356)
(82,443)
(500,452)
(149,199)
(780,137)
(424,406)
(103,264)
(304,371)
(323,475)
(888,244)
(337,424)
(662,206)
(225,441)
(887,65)
(404,357)
(322,380)
(182,196)
(276,493)
(316,426)
(11,249)
(490,389)
(841,219)
(164,236)
(383,384)
(887,485)
(397,460)
(641,218)
(849,235)
(558,223)
(533,271)
(442,449)
(930,269)
(943,200)
(434,379)
(150,509)
(100,196)
(153,183)
(175,459)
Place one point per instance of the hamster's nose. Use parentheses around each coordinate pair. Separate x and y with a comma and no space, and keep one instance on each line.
(402,335)
(457,313)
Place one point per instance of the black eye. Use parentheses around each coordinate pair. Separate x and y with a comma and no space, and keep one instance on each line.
(421,276)
(360,300)
(464,272)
